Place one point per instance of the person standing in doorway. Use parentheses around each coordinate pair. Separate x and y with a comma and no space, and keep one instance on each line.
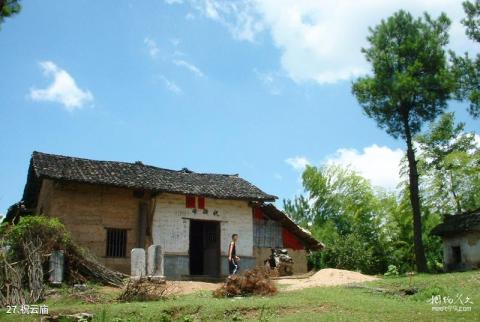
(233,259)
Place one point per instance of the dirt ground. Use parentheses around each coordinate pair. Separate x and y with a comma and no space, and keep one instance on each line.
(188,287)
(324,277)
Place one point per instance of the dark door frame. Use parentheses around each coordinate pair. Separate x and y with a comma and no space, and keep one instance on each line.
(218,249)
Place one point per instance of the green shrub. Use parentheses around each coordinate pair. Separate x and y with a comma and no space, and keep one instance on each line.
(348,252)
(427,292)
(50,231)
(80,265)
(315,260)
(392,271)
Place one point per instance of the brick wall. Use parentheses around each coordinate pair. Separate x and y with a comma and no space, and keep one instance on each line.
(86,210)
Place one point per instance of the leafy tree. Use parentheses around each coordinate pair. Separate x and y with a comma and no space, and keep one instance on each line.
(472,21)
(466,69)
(450,161)
(341,196)
(398,227)
(9,8)
(411,84)
(343,210)
(300,211)
(363,228)
(351,252)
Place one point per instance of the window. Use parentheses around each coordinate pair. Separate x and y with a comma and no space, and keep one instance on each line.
(190,201)
(201,202)
(267,233)
(116,242)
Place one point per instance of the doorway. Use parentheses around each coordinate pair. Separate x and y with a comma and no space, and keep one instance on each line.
(456,255)
(204,251)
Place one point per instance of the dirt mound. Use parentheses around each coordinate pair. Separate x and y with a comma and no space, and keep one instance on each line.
(188,287)
(327,277)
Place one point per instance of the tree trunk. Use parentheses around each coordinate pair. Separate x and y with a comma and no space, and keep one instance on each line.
(420,259)
(454,194)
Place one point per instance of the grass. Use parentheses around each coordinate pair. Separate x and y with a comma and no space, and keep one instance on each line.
(363,303)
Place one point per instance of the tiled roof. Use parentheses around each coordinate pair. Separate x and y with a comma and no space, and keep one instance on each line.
(455,224)
(143,177)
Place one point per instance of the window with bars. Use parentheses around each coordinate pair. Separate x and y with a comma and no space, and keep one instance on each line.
(116,242)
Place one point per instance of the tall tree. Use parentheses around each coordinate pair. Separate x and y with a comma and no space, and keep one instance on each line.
(9,8)
(472,21)
(467,69)
(450,161)
(411,84)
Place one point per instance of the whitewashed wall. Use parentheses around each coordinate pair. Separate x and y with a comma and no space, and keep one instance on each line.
(171,224)
(469,245)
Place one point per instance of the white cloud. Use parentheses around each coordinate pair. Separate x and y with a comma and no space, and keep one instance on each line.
(278,176)
(175,42)
(173,1)
(298,163)
(170,85)
(192,68)
(239,17)
(269,81)
(379,164)
(63,89)
(320,40)
(152,47)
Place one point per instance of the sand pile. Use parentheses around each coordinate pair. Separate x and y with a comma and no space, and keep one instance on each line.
(327,277)
(188,287)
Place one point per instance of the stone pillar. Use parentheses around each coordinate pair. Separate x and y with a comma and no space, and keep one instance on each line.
(137,258)
(155,261)
(56,267)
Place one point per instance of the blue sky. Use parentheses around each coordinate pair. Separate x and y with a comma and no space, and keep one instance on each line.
(258,88)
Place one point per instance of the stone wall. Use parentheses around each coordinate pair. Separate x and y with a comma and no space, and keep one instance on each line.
(469,244)
(176,266)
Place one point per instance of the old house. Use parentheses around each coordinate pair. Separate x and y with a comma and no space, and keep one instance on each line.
(461,241)
(112,207)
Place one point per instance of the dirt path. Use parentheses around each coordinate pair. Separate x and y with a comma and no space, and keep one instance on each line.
(326,277)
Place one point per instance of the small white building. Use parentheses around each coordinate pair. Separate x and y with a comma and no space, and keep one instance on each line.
(461,241)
